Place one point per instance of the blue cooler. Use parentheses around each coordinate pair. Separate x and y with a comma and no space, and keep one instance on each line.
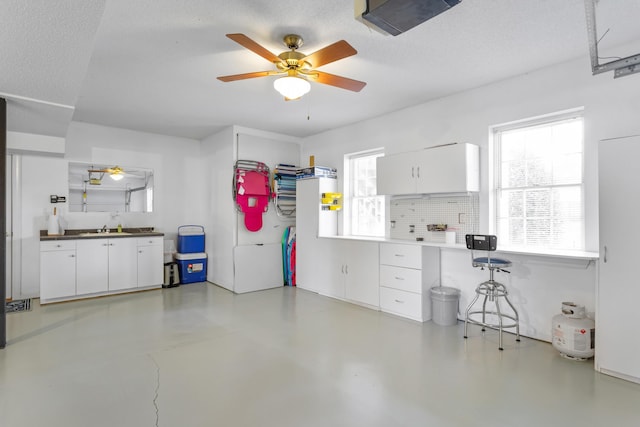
(192,267)
(190,239)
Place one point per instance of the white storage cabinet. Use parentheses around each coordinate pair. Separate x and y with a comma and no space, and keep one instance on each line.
(57,269)
(407,272)
(92,266)
(150,268)
(450,168)
(79,268)
(312,253)
(617,347)
(347,273)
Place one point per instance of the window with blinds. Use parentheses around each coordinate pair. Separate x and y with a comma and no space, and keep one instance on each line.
(539,188)
(365,207)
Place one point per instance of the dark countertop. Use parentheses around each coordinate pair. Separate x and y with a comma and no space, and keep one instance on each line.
(113,233)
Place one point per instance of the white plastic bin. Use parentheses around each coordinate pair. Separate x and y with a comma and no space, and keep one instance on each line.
(444,305)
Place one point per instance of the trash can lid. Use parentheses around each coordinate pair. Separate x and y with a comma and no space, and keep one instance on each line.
(445,291)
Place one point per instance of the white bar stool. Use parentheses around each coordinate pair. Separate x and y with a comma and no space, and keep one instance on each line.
(491,290)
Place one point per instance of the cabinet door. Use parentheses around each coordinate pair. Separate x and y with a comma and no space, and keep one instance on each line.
(312,252)
(448,169)
(331,268)
(57,274)
(150,265)
(362,276)
(92,266)
(123,264)
(618,292)
(396,174)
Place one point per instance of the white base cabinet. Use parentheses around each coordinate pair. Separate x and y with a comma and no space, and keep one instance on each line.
(92,266)
(150,269)
(57,269)
(361,276)
(81,268)
(347,272)
(407,272)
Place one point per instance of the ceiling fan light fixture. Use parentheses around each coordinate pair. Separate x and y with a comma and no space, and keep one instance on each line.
(116,176)
(292,87)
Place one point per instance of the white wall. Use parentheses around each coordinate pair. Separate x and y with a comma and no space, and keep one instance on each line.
(39,177)
(20,142)
(611,109)
(218,154)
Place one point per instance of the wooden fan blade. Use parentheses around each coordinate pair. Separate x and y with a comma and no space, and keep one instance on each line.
(338,81)
(244,76)
(254,47)
(331,53)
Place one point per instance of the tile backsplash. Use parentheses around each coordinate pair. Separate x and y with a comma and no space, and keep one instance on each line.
(409,217)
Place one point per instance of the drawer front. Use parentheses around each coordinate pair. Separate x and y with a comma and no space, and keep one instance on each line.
(401,255)
(403,303)
(58,245)
(405,279)
(150,241)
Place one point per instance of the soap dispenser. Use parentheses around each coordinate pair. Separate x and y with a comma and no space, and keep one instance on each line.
(119,228)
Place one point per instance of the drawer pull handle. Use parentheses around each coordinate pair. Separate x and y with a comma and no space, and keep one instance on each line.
(399,301)
(399,255)
(399,278)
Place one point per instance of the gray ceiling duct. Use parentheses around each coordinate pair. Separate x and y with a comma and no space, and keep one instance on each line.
(397,16)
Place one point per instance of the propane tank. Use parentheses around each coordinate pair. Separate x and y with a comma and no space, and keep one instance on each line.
(573,333)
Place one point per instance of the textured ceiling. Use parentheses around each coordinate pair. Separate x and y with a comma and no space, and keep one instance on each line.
(151,65)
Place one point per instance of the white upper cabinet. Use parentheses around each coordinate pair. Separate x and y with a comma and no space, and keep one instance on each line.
(453,168)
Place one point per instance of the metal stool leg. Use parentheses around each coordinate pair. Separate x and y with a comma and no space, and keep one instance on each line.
(466,313)
(517,317)
(497,301)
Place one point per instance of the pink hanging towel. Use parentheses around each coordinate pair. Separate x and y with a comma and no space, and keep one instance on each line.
(252,192)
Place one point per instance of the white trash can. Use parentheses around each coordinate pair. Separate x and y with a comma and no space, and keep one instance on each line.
(444,305)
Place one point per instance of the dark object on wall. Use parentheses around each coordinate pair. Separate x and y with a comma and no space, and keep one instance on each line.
(57,199)
(397,16)
(3,220)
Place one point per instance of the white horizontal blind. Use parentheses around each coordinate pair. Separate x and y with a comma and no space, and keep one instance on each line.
(366,207)
(539,184)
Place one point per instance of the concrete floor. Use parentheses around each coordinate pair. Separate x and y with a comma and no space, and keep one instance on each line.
(197,355)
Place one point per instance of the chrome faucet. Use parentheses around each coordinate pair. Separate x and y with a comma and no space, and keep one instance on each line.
(104,228)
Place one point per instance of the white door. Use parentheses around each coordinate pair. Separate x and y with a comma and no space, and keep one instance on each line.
(92,268)
(617,343)
(363,273)
(123,263)
(57,274)
(150,265)
(396,174)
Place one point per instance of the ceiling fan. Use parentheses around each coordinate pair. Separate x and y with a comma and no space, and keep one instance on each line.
(116,173)
(296,68)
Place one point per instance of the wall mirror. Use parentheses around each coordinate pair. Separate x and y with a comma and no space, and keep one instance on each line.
(109,188)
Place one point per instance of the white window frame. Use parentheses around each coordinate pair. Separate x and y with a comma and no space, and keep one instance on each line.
(496,185)
(348,210)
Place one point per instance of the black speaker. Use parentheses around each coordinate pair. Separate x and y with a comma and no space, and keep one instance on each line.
(397,16)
